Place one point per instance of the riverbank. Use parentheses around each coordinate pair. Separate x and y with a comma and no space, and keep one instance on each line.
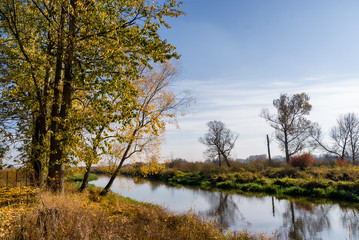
(27,213)
(324,182)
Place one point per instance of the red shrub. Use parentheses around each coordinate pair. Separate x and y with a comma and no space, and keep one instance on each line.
(341,162)
(302,161)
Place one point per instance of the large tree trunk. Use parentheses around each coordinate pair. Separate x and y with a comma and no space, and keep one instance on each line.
(54,169)
(40,131)
(37,149)
(58,137)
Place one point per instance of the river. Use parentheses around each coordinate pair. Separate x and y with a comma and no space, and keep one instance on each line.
(286,219)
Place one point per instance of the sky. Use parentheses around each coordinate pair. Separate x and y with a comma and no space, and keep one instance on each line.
(239,55)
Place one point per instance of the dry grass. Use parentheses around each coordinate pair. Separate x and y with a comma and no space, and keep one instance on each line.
(87,216)
(14,177)
(14,202)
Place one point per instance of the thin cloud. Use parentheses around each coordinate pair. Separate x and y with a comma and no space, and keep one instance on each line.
(238,105)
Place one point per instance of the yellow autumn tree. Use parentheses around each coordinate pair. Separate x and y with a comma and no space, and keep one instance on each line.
(157,105)
(56,52)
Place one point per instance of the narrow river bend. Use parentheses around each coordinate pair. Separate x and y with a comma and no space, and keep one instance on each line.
(286,219)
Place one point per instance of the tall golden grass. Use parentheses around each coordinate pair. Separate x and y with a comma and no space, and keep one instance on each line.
(76,215)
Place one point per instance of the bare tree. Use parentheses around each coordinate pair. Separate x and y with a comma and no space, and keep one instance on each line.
(345,137)
(219,141)
(291,127)
(352,121)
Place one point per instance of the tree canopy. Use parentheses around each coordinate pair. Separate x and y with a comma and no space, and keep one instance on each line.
(59,57)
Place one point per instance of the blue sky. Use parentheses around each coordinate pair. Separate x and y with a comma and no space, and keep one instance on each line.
(239,55)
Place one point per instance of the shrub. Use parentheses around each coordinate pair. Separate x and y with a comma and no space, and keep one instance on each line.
(254,187)
(271,188)
(311,184)
(166,174)
(302,161)
(282,172)
(226,184)
(319,192)
(285,182)
(295,191)
(341,162)
(206,184)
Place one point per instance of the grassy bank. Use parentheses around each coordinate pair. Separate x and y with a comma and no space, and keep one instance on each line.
(80,177)
(324,181)
(27,213)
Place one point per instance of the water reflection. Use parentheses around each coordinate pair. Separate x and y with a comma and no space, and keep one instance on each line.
(304,220)
(223,209)
(350,217)
(288,219)
(300,219)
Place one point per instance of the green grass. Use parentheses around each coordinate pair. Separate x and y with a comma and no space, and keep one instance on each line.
(80,177)
(327,182)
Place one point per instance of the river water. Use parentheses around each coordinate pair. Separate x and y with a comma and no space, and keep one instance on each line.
(286,219)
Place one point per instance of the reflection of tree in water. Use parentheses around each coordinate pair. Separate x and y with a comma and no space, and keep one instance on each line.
(350,217)
(304,220)
(223,209)
(154,184)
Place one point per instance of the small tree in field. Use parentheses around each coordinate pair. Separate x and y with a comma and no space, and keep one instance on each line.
(219,141)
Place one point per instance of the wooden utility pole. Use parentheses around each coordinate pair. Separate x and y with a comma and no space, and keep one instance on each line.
(269,157)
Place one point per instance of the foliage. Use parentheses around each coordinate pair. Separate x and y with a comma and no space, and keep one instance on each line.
(302,161)
(61,60)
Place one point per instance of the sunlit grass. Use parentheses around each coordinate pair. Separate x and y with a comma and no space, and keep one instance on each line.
(75,215)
